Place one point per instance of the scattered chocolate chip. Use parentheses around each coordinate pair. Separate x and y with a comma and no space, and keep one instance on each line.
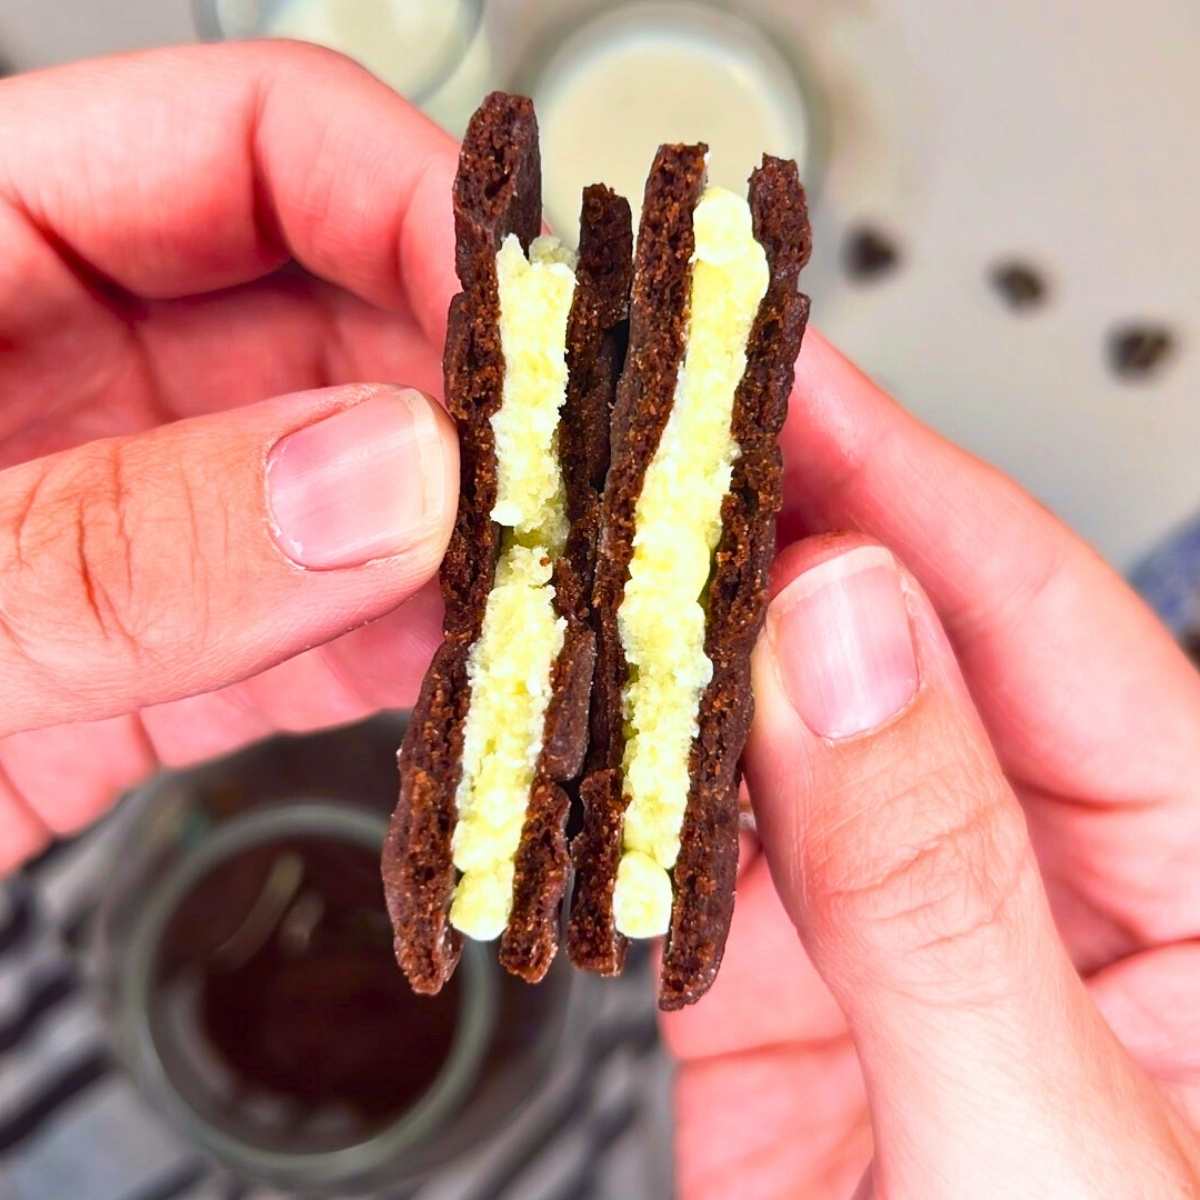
(1138,350)
(1018,284)
(868,253)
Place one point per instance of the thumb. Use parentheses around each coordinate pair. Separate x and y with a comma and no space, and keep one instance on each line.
(901,854)
(145,568)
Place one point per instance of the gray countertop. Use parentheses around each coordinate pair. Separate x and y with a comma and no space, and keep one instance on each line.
(38,33)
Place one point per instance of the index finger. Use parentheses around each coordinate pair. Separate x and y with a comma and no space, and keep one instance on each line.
(180,171)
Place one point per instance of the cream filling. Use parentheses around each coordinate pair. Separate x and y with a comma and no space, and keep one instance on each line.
(677,523)
(510,662)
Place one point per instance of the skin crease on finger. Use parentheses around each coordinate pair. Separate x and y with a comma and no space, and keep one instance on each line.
(121,309)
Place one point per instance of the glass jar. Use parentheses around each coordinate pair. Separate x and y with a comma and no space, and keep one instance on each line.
(244,958)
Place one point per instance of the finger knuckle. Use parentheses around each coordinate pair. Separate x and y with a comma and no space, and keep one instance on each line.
(98,561)
(926,874)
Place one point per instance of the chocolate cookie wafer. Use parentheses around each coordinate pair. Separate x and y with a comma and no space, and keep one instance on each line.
(687,539)
(477,843)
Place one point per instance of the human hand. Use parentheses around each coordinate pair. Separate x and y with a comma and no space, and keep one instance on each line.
(146,280)
(976,772)
(183,233)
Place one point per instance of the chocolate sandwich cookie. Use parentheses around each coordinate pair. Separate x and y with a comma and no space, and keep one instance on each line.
(477,843)
(687,538)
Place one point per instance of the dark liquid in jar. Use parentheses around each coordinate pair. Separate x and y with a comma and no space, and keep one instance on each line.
(279,993)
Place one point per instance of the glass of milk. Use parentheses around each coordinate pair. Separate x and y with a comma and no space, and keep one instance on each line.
(412,45)
(621,79)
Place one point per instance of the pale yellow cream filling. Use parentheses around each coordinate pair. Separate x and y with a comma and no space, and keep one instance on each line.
(677,525)
(509,664)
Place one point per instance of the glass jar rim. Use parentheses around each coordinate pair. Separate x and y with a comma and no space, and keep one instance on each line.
(325,1168)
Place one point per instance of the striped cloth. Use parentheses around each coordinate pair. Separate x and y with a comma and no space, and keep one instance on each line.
(73,1127)
(1169,578)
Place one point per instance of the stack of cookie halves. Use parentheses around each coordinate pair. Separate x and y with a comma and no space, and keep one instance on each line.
(607,575)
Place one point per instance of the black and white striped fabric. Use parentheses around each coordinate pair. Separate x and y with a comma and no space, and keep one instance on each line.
(73,1127)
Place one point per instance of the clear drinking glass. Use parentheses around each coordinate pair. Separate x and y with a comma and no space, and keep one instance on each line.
(612,81)
(243,955)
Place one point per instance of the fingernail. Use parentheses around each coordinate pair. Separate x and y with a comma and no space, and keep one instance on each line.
(841,637)
(366,483)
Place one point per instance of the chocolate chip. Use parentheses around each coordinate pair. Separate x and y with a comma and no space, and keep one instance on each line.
(868,253)
(1018,284)
(1139,349)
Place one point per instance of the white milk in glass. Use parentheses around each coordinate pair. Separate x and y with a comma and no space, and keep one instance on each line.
(653,73)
